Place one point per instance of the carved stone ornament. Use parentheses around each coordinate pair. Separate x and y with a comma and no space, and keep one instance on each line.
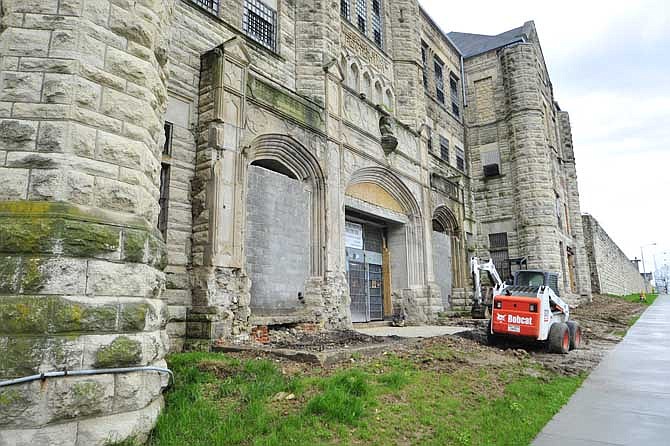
(389,141)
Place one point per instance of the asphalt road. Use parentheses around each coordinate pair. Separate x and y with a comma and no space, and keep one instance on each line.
(626,399)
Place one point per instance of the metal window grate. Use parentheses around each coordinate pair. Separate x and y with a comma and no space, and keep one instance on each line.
(362,15)
(372,239)
(424,60)
(500,254)
(377,22)
(164,199)
(460,159)
(167,146)
(210,5)
(444,148)
(260,23)
(439,80)
(345,9)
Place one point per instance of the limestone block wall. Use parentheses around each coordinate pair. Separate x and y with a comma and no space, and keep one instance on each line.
(612,272)
(82,98)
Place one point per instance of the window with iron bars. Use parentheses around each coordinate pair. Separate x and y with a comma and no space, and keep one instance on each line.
(460,159)
(377,22)
(211,6)
(444,148)
(499,250)
(164,199)
(260,23)
(424,60)
(453,84)
(362,15)
(345,9)
(430,139)
(439,80)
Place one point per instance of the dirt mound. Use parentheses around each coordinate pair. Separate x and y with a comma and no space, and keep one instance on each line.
(321,341)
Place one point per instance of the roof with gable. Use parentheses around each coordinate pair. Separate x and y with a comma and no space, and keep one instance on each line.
(474,44)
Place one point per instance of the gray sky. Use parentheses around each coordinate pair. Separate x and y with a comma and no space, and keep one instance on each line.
(609,62)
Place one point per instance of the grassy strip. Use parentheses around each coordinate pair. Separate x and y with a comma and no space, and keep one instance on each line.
(635,298)
(221,400)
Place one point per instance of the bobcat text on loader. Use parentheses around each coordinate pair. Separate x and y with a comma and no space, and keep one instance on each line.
(530,308)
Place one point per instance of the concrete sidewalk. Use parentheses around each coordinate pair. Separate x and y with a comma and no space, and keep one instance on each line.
(424,331)
(626,400)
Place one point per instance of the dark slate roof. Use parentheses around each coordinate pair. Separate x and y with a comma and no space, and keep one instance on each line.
(473,44)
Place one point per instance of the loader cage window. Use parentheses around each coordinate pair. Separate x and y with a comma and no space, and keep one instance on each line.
(530,279)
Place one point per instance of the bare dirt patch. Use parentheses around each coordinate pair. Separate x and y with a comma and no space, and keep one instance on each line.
(604,322)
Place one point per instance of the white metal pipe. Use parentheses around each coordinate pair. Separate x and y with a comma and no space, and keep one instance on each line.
(64,373)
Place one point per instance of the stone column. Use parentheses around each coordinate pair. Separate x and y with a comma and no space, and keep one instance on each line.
(531,162)
(575,214)
(82,97)
(221,290)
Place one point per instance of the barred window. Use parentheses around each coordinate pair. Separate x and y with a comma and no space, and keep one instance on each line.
(164,199)
(491,162)
(460,159)
(167,146)
(499,250)
(210,5)
(362,15)
(345,9)
(444,148)
(260,23)
(453,86)
(439,79)
(430,139)
(377,22)
(424,60)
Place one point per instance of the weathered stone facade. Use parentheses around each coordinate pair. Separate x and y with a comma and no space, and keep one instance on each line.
(612,272)
(358,150)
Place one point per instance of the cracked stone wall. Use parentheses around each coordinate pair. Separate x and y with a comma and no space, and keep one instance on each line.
(612,272)
(82,98)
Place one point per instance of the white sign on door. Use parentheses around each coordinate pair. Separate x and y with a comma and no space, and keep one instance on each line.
(353,235)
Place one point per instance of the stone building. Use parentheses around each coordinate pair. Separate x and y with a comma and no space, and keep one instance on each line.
(179,172)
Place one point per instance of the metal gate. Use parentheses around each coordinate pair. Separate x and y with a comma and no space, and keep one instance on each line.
(364,267)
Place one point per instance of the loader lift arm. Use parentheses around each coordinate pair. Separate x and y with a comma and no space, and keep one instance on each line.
(479,307)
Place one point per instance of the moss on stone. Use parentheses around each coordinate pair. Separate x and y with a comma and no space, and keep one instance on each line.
(32,279)
(21,235)
(76,317)
(122,352)
(85,239)
(134,246)
(21,356)
(133,317)
(24,314)
(9,397)
(10,271)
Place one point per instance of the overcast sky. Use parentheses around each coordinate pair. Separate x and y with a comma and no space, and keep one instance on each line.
(609,62)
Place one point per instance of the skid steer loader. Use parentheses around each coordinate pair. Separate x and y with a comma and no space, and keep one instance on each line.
(528,309)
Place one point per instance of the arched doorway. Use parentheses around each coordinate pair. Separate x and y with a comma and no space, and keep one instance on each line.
(284,224)
(446,253)
(383,242)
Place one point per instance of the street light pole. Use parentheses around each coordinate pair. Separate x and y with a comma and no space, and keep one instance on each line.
(644,269)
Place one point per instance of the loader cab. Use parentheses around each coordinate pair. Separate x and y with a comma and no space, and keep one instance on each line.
(536,279)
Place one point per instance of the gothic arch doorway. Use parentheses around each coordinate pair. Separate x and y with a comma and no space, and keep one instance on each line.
(447,255)
(284,224)
(383,242)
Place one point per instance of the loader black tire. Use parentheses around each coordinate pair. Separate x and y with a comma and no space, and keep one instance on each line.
(491,339)
(559,338)
(575,335)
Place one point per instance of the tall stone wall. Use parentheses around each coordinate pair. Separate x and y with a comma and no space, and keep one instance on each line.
(82,98)
(612,272)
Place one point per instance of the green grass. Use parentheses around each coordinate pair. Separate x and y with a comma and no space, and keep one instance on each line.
(636,298)
(219,400)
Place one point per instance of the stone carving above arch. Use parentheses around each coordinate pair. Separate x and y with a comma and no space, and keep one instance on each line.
(446,220)
(305,167)
(380,87)
(414,232)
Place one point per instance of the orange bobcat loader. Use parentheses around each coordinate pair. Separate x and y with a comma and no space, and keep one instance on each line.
(529,309)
